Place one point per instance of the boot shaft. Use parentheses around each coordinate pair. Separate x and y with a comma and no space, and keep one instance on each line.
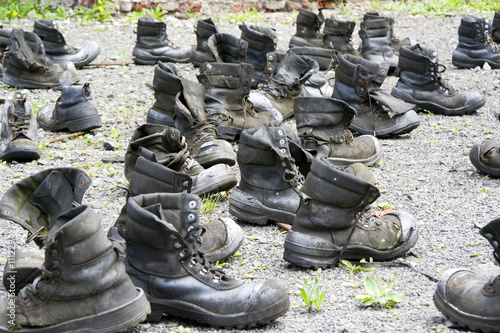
(475,34)
(418,67)
(204,29)
(228,48)
(261,41)
(166,84)
(308,24)
(338,35)
(151,33)
(324,57)
(51,37)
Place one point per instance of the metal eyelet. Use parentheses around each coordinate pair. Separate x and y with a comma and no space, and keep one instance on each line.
(192,204)
(191,217)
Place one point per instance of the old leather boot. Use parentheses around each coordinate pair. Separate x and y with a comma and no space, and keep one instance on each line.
(227,86)
(475,47)
(153,45)
(376,42)
(261,41)
(228,48)
(22,268)
(166,85)
(27,66)
(334,222)
(420,83)
(204,29)
(358,83)
(289,72)
(163,257)
(322,125)
(56,48)
(222,237)
(166,146)
(83,285)
(495,28)
(308,29)
(18,140)
(485,156)
(74,110)
(470,299)
(338,35)
(272,167)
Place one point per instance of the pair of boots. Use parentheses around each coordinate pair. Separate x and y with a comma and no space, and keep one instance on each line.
(282,182)
(478,43)
(473,299)
(163,243)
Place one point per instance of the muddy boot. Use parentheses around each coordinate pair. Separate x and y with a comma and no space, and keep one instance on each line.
(485,156)
(163,237)
(272,169)
(56,48)
(18,139)
(495,28)
(74,110)
(153,45)
(226,98)
(83,285)
(289,74)
(334,222)
(322,125)
(358,82)
(338,35)
(204,29)
(261,41)
(308,27)
(167,147)
(166,84)
(27,66)
(420,83)
(228,48)
(470,299)
(475,47)
(376,42)
(222,237)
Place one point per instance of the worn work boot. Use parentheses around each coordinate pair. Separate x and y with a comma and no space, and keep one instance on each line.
(228,48)
(222,237)
(495,28)
(163,257)
(376,42)
(289,74)
(322,125)
(226,98)
(358,82)
(272,167)
(420,83)
(204,29)
(18,140)
(180,104)
(56,48)
(334,222)
(166,146)
(83,285)
(153,45)
(261,41)
(470,299)
(27,66)
(74,110)
(475,47)
(308,29)
(338,35)
(485,156)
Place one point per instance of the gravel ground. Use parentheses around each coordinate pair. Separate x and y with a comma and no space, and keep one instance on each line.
(426,173)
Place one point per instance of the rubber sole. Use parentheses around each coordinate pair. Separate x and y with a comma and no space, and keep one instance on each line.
(20,154)
(83,124)
(388,132)
(462,60)
(21,83)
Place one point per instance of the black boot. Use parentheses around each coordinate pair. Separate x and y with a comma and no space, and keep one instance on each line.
(272,167)
(308,29)
(228,48)
(163,257)
(74,110)
(83,285)
(322,125)
(338,35)
(18,139)
(376,42)
(261,41)
(27,66)
(56,48)
(495,28)
(358,82)
(475,47)
(204,29)
(153,45)
(166,85)
(334,222)
(470,299)
(420,83)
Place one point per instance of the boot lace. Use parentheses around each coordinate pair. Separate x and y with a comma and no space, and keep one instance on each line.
(19,124)
(441,82)
(30,292)
(487,40)
(206,131)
